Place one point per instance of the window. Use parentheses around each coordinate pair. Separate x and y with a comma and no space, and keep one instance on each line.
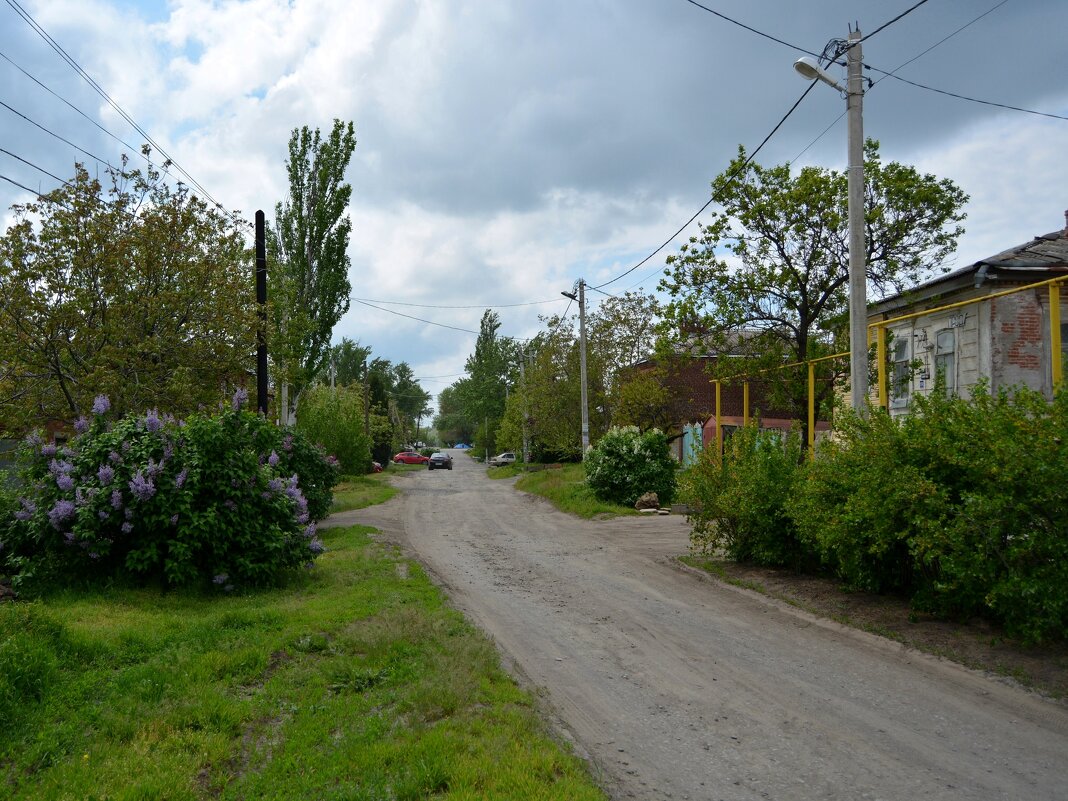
(900,373)
(946,360)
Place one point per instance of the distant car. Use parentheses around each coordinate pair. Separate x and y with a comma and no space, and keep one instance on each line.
(439,461)
(502,459)
(410,457)
(462,446)
(376,467)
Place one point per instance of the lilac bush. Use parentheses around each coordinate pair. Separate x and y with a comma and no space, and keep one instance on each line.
(179,502)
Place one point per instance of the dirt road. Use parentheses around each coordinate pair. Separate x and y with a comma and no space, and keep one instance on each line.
(678,687)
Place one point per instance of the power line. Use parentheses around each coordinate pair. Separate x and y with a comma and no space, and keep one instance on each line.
(887,24)
(750,29)
(36,167)
(712,199)
(53,133)
(420,319)
(28,18)
(483,306)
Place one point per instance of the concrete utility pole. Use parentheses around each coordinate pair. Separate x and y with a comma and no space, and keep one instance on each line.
(581,298)
(811,70)
(523,389)
(858,280)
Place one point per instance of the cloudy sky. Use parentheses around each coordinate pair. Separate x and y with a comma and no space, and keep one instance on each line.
(507,148)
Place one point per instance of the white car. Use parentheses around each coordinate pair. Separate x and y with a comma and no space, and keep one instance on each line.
(501,459)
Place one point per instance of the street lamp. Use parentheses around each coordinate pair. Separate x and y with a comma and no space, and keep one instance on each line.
(582,360)
(810,69)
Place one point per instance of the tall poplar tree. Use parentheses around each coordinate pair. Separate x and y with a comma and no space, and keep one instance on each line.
(308,243)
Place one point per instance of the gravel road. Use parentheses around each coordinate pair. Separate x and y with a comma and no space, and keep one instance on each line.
(676,686)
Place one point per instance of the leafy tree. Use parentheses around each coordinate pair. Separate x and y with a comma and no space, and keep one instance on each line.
(451,422)
(483,391)
(334,419)
(138,291)
(641,399)
(309,282)
(767,278)
(349,360)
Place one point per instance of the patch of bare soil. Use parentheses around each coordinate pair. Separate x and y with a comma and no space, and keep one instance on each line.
(975,643)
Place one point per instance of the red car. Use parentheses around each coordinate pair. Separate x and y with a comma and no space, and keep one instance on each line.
(410,457)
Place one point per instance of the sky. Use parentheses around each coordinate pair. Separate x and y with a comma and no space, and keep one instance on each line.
(506,149)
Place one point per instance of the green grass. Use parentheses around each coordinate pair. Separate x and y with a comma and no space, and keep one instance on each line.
(566,488)
(358,492)
(508,471)
(356,681)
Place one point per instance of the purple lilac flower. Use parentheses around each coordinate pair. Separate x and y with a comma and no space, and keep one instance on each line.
(48,450)
(273,459)
(276,485)
(116,499)
(64,482)
(230,505)
(265,495)
(303,518)
(287,443)
(59,467)
(168,451)
(240,398)
(81,425)
(153,469)
(332,460)
(114,457)
(68,537)
(316,547)
(179,479)
(101,404)
(105,475)
(27,510)
(152,421)
(129,513)
(126,446)
(33,439)
(102,514)
(94,555)
(141,487)
(309,565)
(22,515)
(293,492)
(82,497)
(310,531)
(127,527)
(220,579)
(294,480)
(61,512)
(174,520)
(233,483)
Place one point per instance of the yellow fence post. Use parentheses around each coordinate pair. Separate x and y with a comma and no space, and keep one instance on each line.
(719,424)
(1055,334)
(811,408)
(745,403)
(880,356)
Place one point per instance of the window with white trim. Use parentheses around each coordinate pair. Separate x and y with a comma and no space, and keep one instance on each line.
(945,360)
(900,372)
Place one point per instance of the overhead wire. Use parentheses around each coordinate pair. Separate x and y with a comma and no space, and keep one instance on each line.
(480,306)
(54,134)
(420,319)
(36,26)
(888,23)
(734,174)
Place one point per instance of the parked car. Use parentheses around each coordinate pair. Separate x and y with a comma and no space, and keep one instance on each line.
(410,457)
(462,446)
(501,459)
(439,460)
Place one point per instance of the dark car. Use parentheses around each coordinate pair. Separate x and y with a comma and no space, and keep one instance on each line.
(438,461)
(410,457)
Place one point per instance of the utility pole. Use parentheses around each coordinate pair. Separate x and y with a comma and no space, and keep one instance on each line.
(261,301)
(858,301)
(582,360)
(523,386)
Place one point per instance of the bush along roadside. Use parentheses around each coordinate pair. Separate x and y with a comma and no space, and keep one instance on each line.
(226,500)
(961,507)
(626,463)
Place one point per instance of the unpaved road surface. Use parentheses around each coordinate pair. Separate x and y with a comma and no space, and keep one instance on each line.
(679,687)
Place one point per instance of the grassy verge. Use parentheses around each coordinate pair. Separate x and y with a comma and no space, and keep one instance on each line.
(356,681)
(508,471)
(566,488)
(358,492)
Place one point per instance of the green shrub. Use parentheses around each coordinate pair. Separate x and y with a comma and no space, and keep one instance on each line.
(860,501)
(334,419)
(181,502)
(626,463)
(739,503)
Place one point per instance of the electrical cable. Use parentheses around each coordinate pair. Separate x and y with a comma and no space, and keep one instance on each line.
(36,167)
(420,319)
(483,306)
(887,24)
(737,171)
(750,29)
(53,133)
(28,18)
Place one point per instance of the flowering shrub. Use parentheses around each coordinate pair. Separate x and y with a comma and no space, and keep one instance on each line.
(181,502)
(625,463)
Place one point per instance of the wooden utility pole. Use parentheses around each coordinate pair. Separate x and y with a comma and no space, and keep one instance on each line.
(261,300)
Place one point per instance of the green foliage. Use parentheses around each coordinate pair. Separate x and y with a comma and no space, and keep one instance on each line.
(625,463)
(308,243)
(226,498)
(334,418)
(135,290)
(739,502)
(565,487)
(789,296)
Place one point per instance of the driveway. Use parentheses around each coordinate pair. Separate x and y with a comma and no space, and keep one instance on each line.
(676,686)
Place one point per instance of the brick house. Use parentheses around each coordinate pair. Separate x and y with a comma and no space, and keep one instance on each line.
(1003,337)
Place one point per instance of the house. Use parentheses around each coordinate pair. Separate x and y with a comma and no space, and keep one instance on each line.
(999,319)
(691,404)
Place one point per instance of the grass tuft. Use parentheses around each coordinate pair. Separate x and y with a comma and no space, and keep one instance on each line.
(566,488)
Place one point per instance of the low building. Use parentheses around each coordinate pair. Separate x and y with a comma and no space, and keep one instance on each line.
(988,321)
